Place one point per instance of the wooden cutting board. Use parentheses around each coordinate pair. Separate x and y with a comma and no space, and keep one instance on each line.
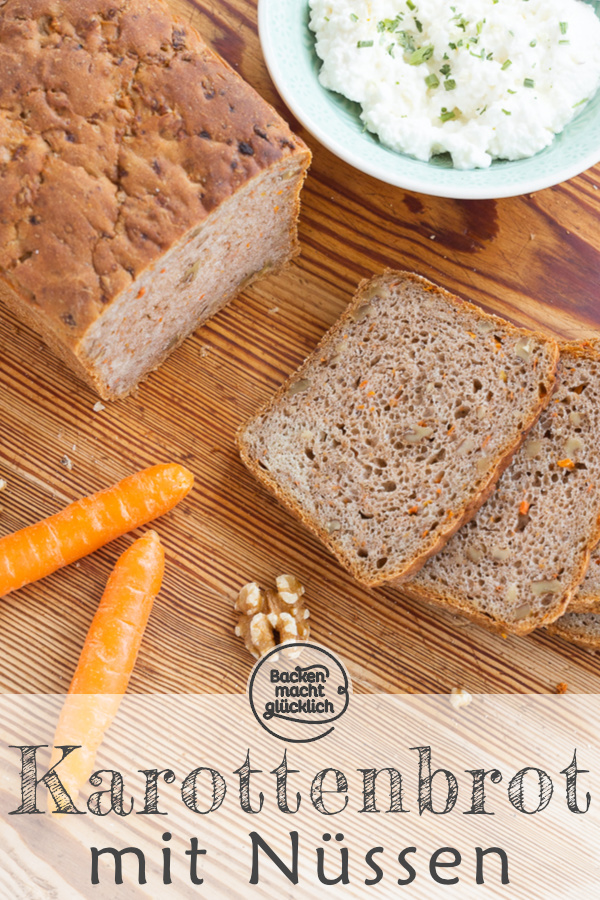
(535,259)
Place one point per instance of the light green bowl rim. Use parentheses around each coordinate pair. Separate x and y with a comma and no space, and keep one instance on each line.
(288,48)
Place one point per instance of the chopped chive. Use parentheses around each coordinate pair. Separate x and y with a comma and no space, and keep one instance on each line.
(405,40)
(481,112)
(447,114)
(479,26)
(563,27)
(490,56)
(506,112)
(361,44)
(354,17)
(389,24)
(528,82)
(564,42)
(445,69)
(419,25)
(419,56)
(506,64)
(533,43)
(585,100)
(451,45)
(432,81)
(450,84)
(410,4)
(508,90)
(390,50)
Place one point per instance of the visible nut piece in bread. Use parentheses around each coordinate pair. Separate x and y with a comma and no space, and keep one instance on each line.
(395,430)
(268,617)
(143,183)
(544,515)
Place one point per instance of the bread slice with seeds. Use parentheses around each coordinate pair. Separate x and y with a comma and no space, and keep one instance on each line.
(395,430)
(518,563)
(582,629)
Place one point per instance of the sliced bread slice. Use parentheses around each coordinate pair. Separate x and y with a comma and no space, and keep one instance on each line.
(587,598)
(518,563)
(395,430)
(582,629)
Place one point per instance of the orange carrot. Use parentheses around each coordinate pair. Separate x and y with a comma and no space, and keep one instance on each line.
(87,524)
(108,657)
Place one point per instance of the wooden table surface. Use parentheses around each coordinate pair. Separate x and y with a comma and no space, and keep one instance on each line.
(535,259)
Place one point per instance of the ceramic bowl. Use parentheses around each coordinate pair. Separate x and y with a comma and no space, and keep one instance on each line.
(289,49)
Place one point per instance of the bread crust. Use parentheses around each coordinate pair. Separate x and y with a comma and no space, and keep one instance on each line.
(366,287)
(120,132)
(458,604)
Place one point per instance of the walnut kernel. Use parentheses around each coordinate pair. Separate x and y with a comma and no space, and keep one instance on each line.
(270,617)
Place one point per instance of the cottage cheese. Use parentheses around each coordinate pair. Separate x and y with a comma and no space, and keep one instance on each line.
(479,79)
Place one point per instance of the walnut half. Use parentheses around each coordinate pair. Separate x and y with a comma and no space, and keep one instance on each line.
(270,617)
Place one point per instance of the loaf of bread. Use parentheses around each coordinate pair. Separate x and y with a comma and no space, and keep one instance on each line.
(142,182)
(518,563)
(395,430)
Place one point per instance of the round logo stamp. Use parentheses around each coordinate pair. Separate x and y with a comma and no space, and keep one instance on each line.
(298,690)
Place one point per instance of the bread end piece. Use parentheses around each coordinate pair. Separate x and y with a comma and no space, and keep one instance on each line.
(582,629)
(140,202)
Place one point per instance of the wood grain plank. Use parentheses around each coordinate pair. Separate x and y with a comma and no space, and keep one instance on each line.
(535,259)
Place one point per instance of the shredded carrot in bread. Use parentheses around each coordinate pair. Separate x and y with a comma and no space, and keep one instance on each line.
(566,463)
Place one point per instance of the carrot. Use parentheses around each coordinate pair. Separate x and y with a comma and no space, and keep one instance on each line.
(108,657)
(87,524)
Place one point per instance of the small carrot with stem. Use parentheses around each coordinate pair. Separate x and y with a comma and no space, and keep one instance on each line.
(86,525)
(108,658)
